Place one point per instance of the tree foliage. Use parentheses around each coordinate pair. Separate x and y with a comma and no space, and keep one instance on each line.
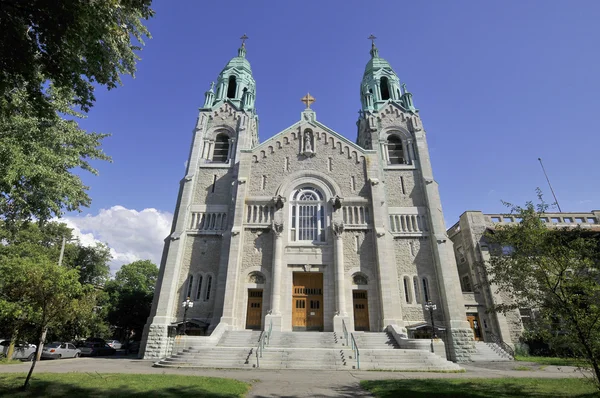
(75,44)
(553,271)
(49,295)
(131,294)
(37,157)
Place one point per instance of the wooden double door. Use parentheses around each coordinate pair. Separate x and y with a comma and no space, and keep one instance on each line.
(360,303)
(473,320)
(254,312)
(307,301)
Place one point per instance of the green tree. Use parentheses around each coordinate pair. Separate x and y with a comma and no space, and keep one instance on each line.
(33,240)
(92,262)
(37,157)
(553,271)
(74,44)
(49,295)
(131,294)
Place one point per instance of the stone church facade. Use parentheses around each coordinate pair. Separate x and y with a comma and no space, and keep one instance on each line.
(308,230)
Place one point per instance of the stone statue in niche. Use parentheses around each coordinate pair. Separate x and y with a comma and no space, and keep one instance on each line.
(256,277)
(360,279)
(308,144)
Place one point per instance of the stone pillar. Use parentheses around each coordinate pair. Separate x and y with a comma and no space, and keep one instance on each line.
(274,315)
(460,335)
(340,298)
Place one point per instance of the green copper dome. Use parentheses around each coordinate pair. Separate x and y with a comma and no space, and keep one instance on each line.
(240,62)
(235,84)
(375,64)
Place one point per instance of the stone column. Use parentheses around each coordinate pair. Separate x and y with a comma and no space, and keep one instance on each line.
(340,301)
(341,315)
(274,315)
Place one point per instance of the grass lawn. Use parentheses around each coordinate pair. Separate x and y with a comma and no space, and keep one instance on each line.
(477,388)
(6,361)
(552,361)
(120,385)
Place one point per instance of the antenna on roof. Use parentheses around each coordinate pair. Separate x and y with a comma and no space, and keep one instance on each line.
(550,185)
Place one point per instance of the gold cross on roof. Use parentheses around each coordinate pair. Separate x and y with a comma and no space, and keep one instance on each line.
(308,100)
(372,38)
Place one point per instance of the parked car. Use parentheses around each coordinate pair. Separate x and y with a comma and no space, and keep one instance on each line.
(23,350)
(116,344)
(96,349)
(60,350)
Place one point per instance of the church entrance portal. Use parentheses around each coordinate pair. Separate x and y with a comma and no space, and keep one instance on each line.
(474,322)
(254,313)
(361,310)
(307,301)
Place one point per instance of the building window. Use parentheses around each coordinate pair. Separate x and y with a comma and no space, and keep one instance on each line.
(208,286)
(232,88)
(190,286)
(395,152)
(417,293)
(466,284)
(426,290)
(199,289)
(407,294)
(221,151)
(308,215)
(385,88)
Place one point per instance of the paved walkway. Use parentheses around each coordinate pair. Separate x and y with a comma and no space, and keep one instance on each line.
(294,383)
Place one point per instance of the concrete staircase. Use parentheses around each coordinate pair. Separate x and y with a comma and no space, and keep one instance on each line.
(489,352)
(305,350)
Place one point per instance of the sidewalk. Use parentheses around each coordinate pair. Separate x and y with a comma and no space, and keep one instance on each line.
(294,383)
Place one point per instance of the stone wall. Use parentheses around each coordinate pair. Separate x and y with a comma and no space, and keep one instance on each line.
(462,344)
(412,195)
(258,249)
(281,157)
(222,192)
(201,255)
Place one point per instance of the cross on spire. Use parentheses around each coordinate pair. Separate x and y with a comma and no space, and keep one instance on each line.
(374,52)
(308,100)
(244,38)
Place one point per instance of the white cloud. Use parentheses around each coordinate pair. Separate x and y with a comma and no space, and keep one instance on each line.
(130,234)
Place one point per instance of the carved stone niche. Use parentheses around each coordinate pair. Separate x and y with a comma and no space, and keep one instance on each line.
(308,143)
(360,279)
(256,277)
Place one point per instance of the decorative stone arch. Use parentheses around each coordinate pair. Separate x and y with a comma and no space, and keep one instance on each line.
(390,139)
(256,277)
(360,278)
(258,271)
(356,271)
(211,138)
(319,180)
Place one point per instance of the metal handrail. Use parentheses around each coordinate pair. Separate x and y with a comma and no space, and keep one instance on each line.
(263,340)
(345,332)
(356,352)
(259,348)
(269,332)
(502,344)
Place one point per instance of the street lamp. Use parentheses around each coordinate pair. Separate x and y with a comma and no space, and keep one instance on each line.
(186,304)
(429,306)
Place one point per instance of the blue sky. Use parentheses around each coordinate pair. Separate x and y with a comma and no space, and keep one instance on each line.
(498,85)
